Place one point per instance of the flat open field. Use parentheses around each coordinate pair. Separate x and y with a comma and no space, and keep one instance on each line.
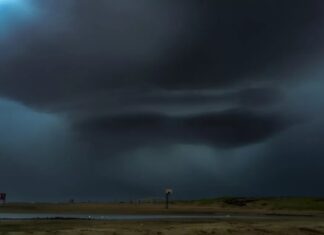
(305,216)
(285,227)
(208,206)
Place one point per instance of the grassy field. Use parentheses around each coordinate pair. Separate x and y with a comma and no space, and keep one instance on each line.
(307,217)
(279,227)
(206,206)
(296,204)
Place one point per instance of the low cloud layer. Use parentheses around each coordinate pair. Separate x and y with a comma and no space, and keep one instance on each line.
(227,129)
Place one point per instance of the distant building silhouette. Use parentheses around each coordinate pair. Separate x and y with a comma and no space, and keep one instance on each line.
(3,197)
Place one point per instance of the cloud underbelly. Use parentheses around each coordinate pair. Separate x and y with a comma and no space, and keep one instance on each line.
(229,129)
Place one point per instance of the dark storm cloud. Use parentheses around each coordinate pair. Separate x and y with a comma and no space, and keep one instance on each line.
(154,44)
(254,97)
(226,129)
(98,93)
(99,60)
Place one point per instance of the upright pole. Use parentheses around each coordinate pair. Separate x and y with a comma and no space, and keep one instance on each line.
(167,200)
(168,192)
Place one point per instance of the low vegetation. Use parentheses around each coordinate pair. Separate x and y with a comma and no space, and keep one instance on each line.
(283,203)
(225,227)
(204,206)
(306,217)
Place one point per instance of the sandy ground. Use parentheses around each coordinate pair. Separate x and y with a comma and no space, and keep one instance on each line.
(144,209)
(286,227)
(299,221)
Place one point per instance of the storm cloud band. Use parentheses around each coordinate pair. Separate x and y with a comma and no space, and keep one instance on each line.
(233,128)
(111,94)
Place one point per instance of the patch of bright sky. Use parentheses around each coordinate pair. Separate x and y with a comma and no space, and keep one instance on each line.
(13,13)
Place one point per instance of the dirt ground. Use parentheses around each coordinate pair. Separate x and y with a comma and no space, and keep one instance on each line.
(144,209)
(296,226)
(287,217)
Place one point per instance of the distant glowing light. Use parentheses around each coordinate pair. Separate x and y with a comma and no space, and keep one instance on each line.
(5,1)
(9,6)
(14,13)
(10,2)
(21,7)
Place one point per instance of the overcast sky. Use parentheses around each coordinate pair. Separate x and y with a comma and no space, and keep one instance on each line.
(119,99)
